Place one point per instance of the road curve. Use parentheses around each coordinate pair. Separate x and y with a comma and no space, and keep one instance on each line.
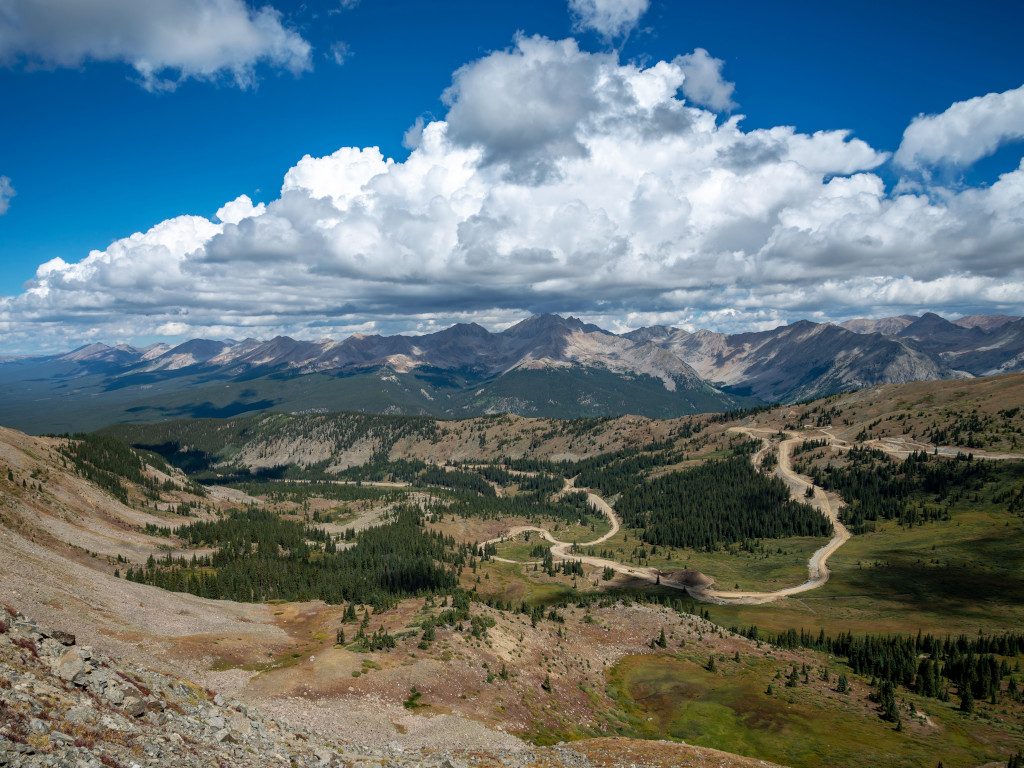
(817,566)
(560,549)
(902,446)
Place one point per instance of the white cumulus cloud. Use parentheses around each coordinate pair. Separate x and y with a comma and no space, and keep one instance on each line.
(704,84)
(240,208)
(164,41)
(966,132)
(340,177)
(609,18)
(558,180)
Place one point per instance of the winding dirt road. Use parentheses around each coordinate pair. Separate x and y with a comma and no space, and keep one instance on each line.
(817,566)
(901,447)
(561,549)
(827,504)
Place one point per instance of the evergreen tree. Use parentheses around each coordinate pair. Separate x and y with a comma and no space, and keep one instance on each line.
(887,701)
(966,699)
(793,678)
(843,686)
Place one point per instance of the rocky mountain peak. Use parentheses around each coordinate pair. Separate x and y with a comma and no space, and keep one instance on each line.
(548,323)
(94,351)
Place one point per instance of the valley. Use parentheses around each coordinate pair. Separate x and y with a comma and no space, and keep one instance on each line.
(527,582)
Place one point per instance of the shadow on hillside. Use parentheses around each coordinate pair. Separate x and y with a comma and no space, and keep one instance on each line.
(205,410)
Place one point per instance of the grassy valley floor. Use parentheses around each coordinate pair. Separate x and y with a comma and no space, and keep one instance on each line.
(767,564)
(961,575)
(675,696)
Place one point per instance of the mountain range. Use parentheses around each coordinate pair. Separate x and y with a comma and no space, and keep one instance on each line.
(546,365)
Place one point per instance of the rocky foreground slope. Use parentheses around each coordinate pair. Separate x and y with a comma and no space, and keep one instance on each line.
(62,704)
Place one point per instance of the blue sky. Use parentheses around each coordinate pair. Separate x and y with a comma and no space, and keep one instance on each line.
(94,156)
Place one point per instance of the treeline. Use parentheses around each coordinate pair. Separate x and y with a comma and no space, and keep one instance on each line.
(923,664)
(875,487)
(262,557)
(539,484)
(455,479)
(625,470)
(108,462)
(534,482)
(608,473)
(978,430)
(621,473)
(496,475)
(820,415)
(417,473)
(298,492)
(739,413)
(717,503)
(571,507)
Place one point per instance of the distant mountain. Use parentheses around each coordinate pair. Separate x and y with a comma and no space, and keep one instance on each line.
(540,342)
(101,353)
(1001,350)
(546,365)
(186,355)
(936,335)
(891,326)
(887,326)
(805,359)
(986,322)
(797,361)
